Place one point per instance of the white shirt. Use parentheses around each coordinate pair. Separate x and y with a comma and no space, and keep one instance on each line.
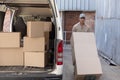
(78,28)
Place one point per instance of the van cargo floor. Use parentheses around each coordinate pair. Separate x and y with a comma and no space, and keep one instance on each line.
(21,69)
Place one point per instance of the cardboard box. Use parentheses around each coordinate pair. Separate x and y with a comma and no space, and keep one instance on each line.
(34,44)
(9,40)
(47,26)
(11,57)
(34,59)
(86,58)
(46,36)
(34,29)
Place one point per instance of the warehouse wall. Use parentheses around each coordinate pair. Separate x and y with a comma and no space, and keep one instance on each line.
(72,17)
(71,9)
(107,28)
(76,5)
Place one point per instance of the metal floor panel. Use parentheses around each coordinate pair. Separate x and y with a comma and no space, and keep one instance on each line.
(20,68)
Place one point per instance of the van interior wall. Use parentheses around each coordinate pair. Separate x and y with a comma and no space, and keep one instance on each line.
(35,11)
(2,14)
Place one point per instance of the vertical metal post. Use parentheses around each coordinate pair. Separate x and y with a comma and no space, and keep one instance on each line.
(65,38)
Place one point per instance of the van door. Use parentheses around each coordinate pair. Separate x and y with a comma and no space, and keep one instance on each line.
(58,20)
(59,47)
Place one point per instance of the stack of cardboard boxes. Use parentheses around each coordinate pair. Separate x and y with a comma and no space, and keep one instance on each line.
(11,54)
(33,51)
(34,43)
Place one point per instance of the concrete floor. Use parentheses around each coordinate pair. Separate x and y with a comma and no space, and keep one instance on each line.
(68,68)
(109,72)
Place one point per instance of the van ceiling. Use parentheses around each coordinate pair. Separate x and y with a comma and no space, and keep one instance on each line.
(31,7)
(35,11)
(26,1)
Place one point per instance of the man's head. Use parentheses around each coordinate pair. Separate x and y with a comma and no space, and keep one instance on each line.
(82,18)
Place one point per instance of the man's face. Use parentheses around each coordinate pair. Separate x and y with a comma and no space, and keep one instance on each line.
(82,20)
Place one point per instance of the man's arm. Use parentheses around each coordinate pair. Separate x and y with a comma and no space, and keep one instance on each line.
(74,29)
(88,28)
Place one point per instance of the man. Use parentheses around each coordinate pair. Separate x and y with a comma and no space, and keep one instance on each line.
(81,26)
